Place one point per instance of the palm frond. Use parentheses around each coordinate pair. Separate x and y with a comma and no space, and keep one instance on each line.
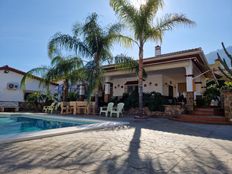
(56,60)
(152,33)
(127,63)
(69,43)
(94,80)
(125,10)
(115,28)
(169,21)
(150,9)
(78,75)
(40,71)
(77,29)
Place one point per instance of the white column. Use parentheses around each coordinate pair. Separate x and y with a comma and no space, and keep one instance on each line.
(177,92)
(189,77)
(107,79)
(198,84)
(107,88)
(81,90)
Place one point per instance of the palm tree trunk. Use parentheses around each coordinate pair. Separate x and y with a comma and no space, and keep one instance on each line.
(96,101)
(96,59)
(65,93)
(140,81)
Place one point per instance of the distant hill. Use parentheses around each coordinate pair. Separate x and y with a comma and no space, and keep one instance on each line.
(213,55)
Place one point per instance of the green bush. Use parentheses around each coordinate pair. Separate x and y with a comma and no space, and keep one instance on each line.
(72,96)
(153,100)
(36,99)
(212,92)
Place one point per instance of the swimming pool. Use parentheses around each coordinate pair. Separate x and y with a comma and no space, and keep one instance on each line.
(20,124)
(28,126)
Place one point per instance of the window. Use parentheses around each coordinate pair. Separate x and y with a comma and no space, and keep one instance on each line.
(131,88)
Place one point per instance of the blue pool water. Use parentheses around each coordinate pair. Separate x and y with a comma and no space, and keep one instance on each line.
(19,124)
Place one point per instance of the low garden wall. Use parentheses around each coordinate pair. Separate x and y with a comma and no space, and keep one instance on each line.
(173,110)
(227,101)
(169,110)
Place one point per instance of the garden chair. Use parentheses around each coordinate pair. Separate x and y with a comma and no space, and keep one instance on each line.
(45,108)
(65,108)
(53,108)
(82,106)
(107,109)
(118,110)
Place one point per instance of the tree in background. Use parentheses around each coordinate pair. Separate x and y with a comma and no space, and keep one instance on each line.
(94,42)
(68,70)
(140,22)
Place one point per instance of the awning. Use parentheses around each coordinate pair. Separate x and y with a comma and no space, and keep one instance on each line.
(132,82)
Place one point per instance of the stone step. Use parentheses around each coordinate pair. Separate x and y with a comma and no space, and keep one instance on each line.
(204,109)
(208,111)
(202,119)
(203,113)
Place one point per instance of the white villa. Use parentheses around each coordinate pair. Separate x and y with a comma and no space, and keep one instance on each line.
(10,90)
(173,74)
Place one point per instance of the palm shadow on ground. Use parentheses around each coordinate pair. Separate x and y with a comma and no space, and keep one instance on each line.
(135,151)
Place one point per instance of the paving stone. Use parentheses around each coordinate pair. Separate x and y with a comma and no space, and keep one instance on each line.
(154,146)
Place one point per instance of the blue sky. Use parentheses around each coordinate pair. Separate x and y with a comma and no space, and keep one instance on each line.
(27,25)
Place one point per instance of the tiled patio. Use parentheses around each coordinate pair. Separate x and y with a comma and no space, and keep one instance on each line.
(152,146)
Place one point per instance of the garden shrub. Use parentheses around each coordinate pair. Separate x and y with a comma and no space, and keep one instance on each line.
(212,92)
(153,100)
(72,96)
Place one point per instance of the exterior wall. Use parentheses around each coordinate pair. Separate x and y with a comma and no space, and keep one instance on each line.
(150,82)
(169,81)
(18,94)
(228,104)
(156,83)
(199,87)
(163,75)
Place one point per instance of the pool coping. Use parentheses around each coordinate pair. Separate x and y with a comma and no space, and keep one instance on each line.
(100,124)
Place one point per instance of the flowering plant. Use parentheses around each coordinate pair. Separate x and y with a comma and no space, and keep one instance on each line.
(227,85)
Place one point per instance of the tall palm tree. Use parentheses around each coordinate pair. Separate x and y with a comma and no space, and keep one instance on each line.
(69,69)
(93,42)
(140,22)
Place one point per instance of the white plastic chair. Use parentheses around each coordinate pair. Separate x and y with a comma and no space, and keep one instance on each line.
(107,109)
(118,111)
(46,108)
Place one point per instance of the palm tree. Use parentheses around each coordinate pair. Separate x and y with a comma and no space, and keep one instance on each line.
(93,42)
(69,69)
(140,22)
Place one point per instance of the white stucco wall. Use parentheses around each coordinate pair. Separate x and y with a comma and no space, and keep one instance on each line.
(18,94)
(154,79)
(168,81)
(156,83)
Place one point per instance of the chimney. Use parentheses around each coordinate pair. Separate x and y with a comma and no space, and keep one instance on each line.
(157,50)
